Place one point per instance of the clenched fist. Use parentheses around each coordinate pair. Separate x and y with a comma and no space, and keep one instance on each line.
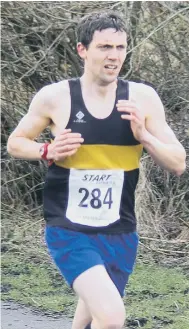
(64,145)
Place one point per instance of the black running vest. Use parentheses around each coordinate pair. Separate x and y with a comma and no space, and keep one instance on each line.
(93,190)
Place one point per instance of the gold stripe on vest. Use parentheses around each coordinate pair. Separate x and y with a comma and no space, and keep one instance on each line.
(104,157)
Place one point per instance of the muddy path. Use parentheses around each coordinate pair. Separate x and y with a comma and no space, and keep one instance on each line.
(14,316)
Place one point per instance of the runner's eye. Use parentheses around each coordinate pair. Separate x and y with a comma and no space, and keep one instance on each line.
(105,47)
(121,47)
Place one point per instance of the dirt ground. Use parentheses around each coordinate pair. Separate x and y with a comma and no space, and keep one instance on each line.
(14,316)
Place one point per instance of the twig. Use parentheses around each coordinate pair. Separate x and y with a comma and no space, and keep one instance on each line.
(182,220)
(33,68)
(159,27)
(35,301)
(159,240)
(15,179)
(163,4)
(172,251)
(184,99)
(163,251)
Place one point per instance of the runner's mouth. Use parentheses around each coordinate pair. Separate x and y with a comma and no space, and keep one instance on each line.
(111,67)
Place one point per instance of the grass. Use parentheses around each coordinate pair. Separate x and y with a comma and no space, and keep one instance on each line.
(157,297)
(36,285)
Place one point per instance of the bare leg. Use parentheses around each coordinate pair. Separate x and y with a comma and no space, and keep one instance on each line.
(82,316)
(102,298)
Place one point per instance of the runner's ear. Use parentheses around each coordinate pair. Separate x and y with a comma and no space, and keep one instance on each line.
(82,51)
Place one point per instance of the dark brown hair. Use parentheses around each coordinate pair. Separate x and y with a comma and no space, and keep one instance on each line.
(98,22)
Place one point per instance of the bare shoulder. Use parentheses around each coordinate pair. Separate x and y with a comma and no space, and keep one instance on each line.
(43,108)
(56,88)
(141,90)
(50,95)
(146,97)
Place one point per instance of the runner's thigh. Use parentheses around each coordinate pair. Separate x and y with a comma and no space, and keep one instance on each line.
(100,294)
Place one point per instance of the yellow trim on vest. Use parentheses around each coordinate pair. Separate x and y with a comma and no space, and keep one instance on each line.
(104,157)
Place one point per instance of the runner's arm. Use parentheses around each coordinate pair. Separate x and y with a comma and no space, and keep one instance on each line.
(160,141)
(21,142)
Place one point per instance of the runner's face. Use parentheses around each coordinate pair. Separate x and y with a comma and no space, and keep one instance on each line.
(105,55)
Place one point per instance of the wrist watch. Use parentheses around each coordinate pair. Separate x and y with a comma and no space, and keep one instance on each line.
(43,151)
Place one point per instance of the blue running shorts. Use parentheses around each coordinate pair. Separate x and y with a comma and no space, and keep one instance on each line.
(75,252)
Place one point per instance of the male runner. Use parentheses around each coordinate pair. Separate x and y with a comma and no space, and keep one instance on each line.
(100,125)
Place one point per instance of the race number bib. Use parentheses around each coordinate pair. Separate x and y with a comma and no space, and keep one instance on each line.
(94,196)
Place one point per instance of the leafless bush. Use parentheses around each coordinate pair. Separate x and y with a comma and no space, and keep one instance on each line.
(38,48)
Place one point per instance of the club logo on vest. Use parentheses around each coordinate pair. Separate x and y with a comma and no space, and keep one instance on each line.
(80,117)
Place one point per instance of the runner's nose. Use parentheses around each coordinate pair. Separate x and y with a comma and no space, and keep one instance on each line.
(113,54)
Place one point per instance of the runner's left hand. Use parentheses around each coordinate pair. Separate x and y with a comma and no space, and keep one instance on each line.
(131,111)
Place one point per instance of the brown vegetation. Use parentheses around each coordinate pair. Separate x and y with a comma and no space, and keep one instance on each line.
(38,48)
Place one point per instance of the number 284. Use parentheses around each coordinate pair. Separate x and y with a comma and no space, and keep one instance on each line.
(95,198)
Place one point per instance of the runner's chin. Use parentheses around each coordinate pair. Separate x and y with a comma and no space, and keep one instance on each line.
(110,75)
(108,78)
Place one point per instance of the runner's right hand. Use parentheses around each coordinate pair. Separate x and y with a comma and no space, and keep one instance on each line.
(64,145)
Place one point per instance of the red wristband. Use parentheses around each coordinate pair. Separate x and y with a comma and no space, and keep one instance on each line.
(43,151)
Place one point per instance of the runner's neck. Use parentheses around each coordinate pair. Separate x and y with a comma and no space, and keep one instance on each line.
(93,87)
